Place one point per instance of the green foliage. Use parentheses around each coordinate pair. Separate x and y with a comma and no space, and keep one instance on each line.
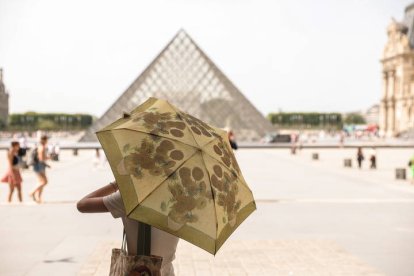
(49,121)
(2,124)
(47,125)
(354,119)
(306,120)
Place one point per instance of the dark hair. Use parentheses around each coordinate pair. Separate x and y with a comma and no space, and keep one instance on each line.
(43,138)
(14,143)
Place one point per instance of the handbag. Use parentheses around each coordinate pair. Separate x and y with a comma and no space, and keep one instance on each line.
(142,264)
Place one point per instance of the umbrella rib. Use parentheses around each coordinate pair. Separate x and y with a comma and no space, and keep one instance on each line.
(177,110)
(165,179)
(238,176)
(189,129)
(221,162)
(214,200)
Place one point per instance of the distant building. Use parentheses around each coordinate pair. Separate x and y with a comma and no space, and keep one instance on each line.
(397,100)
(372,115)
(4,101)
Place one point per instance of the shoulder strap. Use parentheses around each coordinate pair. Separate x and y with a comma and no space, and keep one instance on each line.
(144,239)
(123,246)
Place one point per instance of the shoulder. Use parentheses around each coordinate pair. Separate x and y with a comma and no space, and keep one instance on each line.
(114,204)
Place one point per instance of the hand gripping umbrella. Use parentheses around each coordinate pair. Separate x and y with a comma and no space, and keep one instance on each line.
(177,173)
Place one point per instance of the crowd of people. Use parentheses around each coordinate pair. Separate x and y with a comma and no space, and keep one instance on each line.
(17,159)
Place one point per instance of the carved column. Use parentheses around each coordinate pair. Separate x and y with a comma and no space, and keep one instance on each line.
(384,84)
(383,120)
(391,85)
(391,118)
(391,104)
(407,115)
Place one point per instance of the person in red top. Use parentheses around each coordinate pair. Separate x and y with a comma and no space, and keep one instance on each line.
(12,176)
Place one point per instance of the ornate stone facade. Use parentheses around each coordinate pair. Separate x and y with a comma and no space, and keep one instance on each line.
(4,101)
(372,115)
(397,101)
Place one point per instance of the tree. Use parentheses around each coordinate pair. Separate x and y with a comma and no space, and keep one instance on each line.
(49,121)
(46,125)
(354,119)
(306,120)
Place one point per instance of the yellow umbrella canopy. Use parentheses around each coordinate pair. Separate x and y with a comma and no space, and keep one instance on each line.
(177,173)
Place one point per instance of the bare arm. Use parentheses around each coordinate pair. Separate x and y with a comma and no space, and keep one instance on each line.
(93,202)
(10,159)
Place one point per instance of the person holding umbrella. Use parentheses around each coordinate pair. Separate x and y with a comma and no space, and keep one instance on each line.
(108,199)
(175,175)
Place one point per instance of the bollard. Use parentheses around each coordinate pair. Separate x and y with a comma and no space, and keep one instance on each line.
(315,156)
(400,173)
(75,152)
(348,163)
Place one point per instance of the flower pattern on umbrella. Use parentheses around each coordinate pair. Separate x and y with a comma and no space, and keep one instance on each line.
(224,153)
(225,192)
(157,122)
(189,192)
(197,126)
(181,174)
(157,156)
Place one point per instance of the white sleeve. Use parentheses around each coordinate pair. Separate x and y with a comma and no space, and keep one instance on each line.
(114,204)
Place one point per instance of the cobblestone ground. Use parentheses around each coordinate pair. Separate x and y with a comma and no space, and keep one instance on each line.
(313,217)
(267,257)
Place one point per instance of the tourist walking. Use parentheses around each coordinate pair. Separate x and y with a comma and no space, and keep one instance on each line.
(39,166)
(360,157)
(232,139)
(293,143)
(341,139)
(12,176)
(373,158)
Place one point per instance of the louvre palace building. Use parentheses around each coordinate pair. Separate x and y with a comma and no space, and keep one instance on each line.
(397,100)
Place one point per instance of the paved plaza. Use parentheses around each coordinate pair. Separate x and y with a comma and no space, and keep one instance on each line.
(313,218)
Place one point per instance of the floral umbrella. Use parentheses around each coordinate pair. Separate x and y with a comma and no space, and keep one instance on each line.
(177,173)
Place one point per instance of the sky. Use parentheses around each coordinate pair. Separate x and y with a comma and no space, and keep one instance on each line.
(302,55)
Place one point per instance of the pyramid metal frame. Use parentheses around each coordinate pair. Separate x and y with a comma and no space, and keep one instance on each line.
(185,76)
